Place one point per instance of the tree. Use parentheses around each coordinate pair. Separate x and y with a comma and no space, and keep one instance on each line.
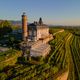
(5,27)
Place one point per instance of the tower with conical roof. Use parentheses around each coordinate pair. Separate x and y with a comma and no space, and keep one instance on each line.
(40,21)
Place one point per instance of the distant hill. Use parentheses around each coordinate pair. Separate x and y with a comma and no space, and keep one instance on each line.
(19,23)
(1,20)
(13,22)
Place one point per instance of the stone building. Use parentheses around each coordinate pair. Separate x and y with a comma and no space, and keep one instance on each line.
(37,36)
(37,30)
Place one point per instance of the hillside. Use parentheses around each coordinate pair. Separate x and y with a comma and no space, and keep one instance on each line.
(64,56)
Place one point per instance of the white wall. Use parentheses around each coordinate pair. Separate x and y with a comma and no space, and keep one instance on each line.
(43,32)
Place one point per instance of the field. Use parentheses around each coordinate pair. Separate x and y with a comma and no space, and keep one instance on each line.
(64,56)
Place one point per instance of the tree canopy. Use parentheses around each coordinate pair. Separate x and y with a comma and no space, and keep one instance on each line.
(5,27)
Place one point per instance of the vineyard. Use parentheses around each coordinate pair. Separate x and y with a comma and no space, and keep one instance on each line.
(64,55)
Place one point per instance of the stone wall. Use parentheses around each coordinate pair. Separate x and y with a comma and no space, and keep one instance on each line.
(38,52)
(47,39)
(43,32)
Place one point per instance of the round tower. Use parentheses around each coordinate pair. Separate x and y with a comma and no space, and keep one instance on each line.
(24,27)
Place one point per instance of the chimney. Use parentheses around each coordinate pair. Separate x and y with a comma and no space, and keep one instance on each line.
(24,27)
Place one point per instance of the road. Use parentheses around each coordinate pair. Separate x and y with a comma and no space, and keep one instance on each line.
(59,32)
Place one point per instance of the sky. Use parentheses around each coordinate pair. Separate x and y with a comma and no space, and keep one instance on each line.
(56,12)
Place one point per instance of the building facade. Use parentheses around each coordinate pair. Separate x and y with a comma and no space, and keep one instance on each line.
(37,30)
(37,36)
